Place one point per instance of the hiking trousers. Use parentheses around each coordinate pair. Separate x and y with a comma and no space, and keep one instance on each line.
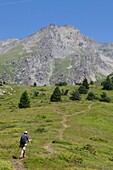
(22,154)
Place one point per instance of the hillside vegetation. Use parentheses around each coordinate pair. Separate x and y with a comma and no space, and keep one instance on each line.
(67,135)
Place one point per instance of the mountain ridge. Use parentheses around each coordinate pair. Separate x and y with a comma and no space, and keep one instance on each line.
(53,54)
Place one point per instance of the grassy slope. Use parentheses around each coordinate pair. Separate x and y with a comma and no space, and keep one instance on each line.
(64,134)
(12,55)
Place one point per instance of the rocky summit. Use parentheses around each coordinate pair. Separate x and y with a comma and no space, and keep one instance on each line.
(55,54)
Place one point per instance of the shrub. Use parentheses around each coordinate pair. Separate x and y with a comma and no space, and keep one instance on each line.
(36,93)
(75,95)
(98,139)
(24,100)
(61,84)
(41,130)
(82,89)
(107,84)
(88,147)
(104,98)
(91,96)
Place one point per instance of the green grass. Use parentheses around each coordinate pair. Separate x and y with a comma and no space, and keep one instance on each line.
(5,165)
(65,134)
(12,55)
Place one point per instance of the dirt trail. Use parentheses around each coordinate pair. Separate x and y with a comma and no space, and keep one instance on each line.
(63,122)
(18,165)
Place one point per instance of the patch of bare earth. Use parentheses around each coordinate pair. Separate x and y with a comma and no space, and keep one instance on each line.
(18,164)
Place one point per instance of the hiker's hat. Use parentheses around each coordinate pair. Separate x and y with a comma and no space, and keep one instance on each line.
(25,132)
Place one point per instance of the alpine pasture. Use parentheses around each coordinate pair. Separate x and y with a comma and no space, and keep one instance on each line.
(66,135)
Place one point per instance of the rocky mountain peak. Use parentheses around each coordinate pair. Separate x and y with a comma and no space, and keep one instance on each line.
(53,54)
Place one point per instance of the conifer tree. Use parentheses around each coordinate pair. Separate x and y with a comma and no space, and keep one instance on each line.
(75,95)
(91,82)
(24,100)
(34,84)
(85,83)
(82,89)
(91,96)
(107,84)
(104,98)
(56,96)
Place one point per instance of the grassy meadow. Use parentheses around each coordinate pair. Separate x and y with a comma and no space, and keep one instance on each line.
(67,135)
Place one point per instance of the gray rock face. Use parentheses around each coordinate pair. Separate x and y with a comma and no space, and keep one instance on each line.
(6,45)
(55,54)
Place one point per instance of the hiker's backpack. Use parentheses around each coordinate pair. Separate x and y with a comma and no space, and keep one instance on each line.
(22,140)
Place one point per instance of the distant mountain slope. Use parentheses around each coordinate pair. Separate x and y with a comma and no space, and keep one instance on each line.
(55,54)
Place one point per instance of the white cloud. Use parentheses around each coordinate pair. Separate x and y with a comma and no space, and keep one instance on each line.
(13,3)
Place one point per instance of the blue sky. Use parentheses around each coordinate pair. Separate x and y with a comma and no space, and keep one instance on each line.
(21,18)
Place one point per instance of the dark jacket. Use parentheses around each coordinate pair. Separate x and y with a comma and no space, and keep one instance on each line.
(23,140)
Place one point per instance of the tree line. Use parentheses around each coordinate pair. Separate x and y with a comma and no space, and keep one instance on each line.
(83,88)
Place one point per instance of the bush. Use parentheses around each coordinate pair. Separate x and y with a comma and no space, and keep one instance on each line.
(36,93)
(91,96)
(82,89)
(41,130)
(61,84)
(107,84)
(104,98)
(75,95)
(24,100)
(90,148)
(91,82)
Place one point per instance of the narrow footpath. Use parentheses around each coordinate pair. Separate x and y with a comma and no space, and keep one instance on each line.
(18,164)
(48,147)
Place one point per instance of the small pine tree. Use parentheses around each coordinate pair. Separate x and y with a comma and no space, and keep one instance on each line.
(107,84)
(75,95)
(85,83)
(91,96)
(56,96)
(34,84)
(82,89)
(24,100)
(91,82)
(104,98)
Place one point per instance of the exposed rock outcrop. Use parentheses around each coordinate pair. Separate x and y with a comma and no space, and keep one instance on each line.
(55,54)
